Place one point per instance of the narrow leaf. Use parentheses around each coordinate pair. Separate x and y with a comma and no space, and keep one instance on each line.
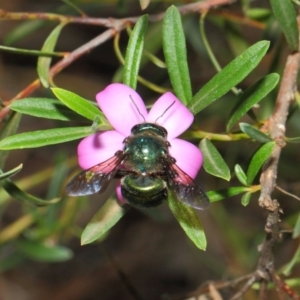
(134,52)
(108,215)
(214,164)
(229,77)
(189,221)
(41,138)
(218,195)
(258,160)
(29,52)
(255,133)
(287,269)
(45,108)
(286,15)
(252,96)
(24,197)
(9,128)
(11,172)
(174,48)
(44,253)
(258,13)
(22,30)
(296,232)
(43,64)
(240,174)
(16,228)
(246,199)
(295,140)
(153,42)
(80,105)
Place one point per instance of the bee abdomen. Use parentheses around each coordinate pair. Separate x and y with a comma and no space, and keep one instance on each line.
(144,191)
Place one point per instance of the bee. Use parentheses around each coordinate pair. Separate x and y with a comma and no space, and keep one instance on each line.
(146,171)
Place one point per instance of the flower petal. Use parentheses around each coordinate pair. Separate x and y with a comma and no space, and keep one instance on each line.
(99,147)
(122,106)
(188,157)
(170,113)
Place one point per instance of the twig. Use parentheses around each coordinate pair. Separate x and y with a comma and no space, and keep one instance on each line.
(277,128)
(263,291)
(287,193)
(283,287)
(105,22)
(111,22)
(269,174)
(245,288)
(204,288)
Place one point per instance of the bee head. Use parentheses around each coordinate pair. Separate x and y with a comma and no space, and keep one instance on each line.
(149,128)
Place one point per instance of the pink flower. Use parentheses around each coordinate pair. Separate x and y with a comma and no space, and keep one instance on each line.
(124,108)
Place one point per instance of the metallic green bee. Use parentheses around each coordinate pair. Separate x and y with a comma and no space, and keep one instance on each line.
(146,170)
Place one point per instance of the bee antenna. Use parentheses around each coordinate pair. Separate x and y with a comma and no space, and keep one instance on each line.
(165,111)
(137,108)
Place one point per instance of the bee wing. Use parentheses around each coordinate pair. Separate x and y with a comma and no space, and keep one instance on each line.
(95,179)
(186,190)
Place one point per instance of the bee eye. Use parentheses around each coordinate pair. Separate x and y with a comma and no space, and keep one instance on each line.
(163,151)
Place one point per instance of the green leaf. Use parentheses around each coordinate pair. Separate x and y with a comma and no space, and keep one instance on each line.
(45,108)
(9,128)
(22,30)
(108,215)
(43,65)
(296,231)
(258,160)
(246,199)
(295,140)
(255,133)
(252,96)
(134,52)
(153,42)
(11,172)
(229,77)
(286,15)
(24,197)
(78,104)
(43,252)
(175,54)
(258,13)
(214,164)
(29,51)
(287,269)
(189,221)
(240,174)
(218,195)
(41,138)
